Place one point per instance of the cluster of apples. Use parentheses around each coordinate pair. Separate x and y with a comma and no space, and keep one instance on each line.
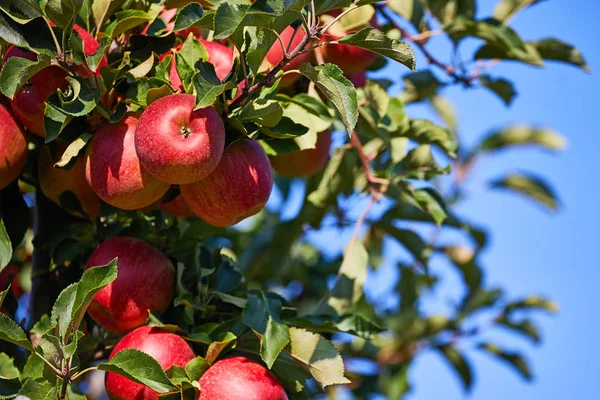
(146,281)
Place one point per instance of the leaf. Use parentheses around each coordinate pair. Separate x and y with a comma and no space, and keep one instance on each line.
(459,363)
(228,18)
(55,121)
(505,9)
(16,71)
(330,79)
(139,367)
(557,50)
(13,333)
(523,135)
(7,367)
(20,11)
(38,390)
(188,16)
(100,12)
(352,324)
(419,86)
(143,68)
(207,85)
(348,288)
(319,355)
(262,112)
(376,41)
(73,150)
(525,327)
(513,359)
(215,348)
(479,299)
(447,10)
(196,367)
(6,250)
(262,314)
(501,87)
(531,186)
(426,132)
(532,302)
(71,304)
(125,21)
(412,242)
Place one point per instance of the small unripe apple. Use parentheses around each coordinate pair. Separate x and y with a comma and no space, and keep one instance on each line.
(28,103)
(237,189)
(165,347)
(177,207)
(113,168)
(276,54)
(56,181)
(13,147)
(240,378)
(177,144)
(303,162)
(90,45)
(145,281)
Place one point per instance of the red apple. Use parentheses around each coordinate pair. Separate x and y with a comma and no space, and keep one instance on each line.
(221,57)
(55,181)
(10,275)
(240,378)
(350,59)
(304,162)
(177,207)
(113,168)
(13,147)
(28,102)
(177,144)
(358,79)
(90,45)
(145,281)
(237,189)
(276,54)
(165,347)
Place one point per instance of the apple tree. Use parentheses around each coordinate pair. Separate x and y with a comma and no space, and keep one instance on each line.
(192,191)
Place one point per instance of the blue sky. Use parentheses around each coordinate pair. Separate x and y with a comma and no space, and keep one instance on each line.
(531,250)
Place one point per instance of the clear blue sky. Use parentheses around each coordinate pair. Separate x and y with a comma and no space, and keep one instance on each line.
(533,251)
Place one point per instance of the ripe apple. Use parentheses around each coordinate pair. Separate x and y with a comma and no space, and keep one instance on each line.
(177,144)
(113,168)
(177,207)
(10,275)
(240,378)
(220,56)
(13,147)
(90,45)
(28,102)
(237,189)
(165,347)
(304,162)
(276,54)
(55,181)
(145,281)
(358,79)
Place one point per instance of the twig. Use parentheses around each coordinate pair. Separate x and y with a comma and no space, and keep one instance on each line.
(371,180)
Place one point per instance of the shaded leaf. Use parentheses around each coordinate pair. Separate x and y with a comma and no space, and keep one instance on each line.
(188,16)
(16,71)
(513,359)
(501,87)
(531,186)
(13,333)
(72,151)
(523,135)
(459,363)
(507,8)
(557,50)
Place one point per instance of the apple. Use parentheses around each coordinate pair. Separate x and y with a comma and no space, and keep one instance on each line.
(113,168)
(303,162)
(145,281)
(358,79)
(177,207)
(240,378)
(55,181)
(90,45)
(165,347)
(13,147)
(220,56)
(176,144)
(10,275)
(28,102)
(237,189)
(276,54)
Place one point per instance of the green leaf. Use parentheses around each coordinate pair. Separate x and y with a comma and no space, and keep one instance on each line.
(73,150)
(188,16)
(447,10)
(480,299)
(7,368)
(348,288)
(72,303)
(262,112)
(419,86)
(531,186)
(330,79)
(196,367)
(459,363)
(100,9)
(38,390)
(523,135)
(319,355)
(6,250)
(13,333)
(79,100)
(143,68)
(513,359)
(55,120)
(139,367)
(228,18)
(557,50)
(501,87)
(525,327)
(505,9)
(262,314)
(207,85)
(20,11)
(126,20)
(352,324)
(215,348)
(532,302)
(376,41)
(412,242)
(16,71)
(426,132)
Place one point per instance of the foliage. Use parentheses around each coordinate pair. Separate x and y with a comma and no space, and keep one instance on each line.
(264,288)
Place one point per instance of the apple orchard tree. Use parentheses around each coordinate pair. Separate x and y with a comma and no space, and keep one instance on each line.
(135,133)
